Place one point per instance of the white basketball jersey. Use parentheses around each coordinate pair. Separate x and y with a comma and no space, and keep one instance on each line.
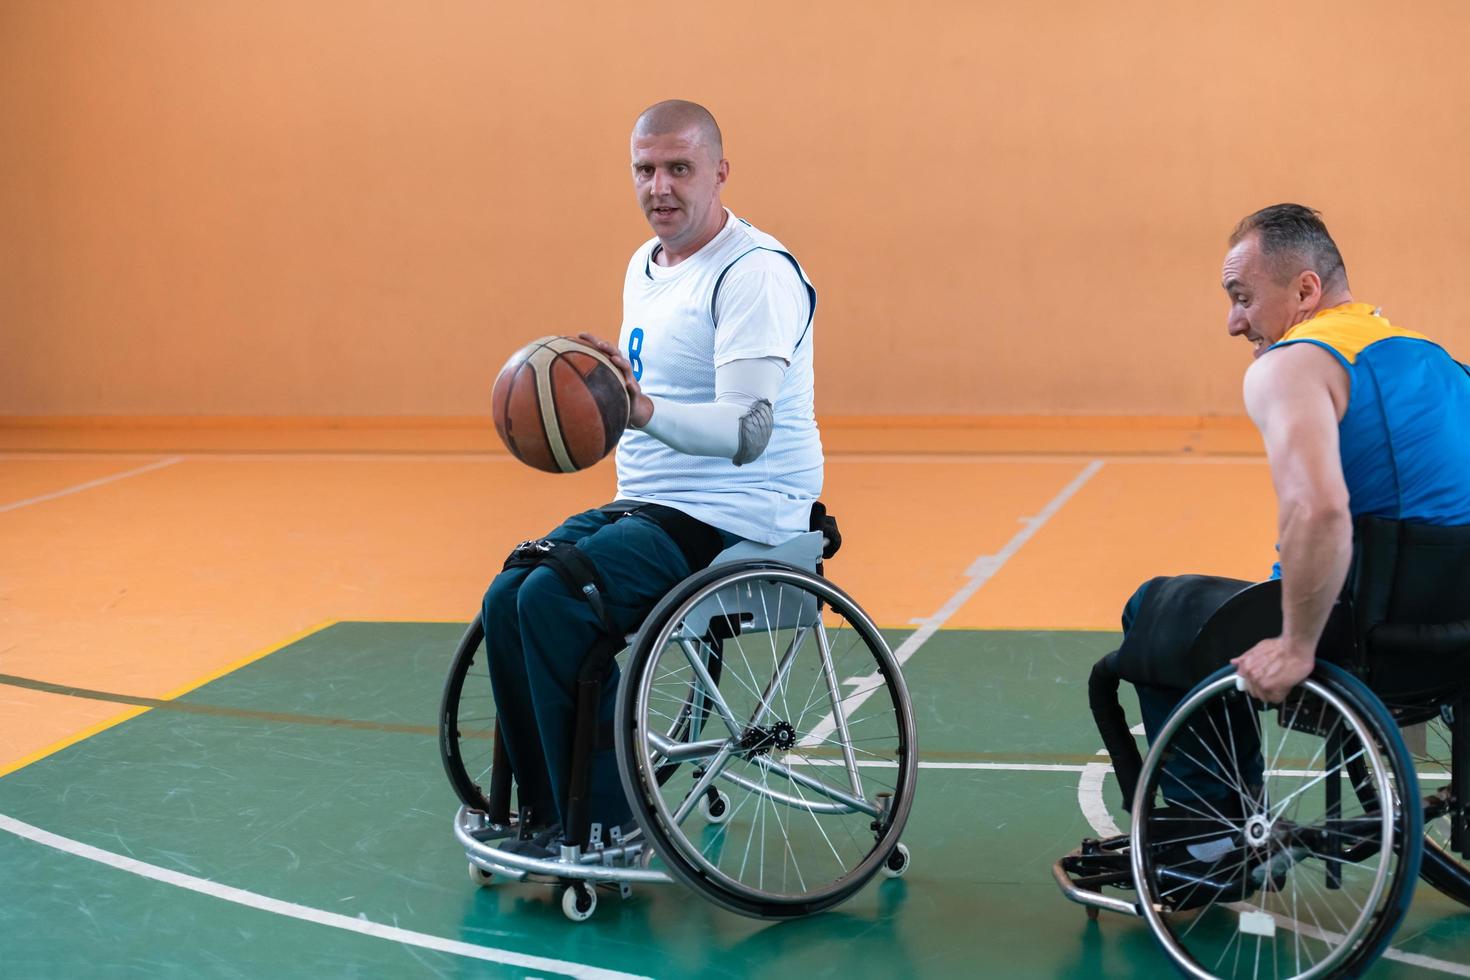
(740,296)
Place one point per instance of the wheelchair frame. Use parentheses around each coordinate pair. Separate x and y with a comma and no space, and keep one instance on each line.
(1370,644)
(595,855)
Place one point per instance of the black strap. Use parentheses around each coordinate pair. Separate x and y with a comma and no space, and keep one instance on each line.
(827,524)
(575,570)
(697,541)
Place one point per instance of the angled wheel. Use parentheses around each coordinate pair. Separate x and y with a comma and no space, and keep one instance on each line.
(1270,842)
(467,721)
(807,734)
(1429,744)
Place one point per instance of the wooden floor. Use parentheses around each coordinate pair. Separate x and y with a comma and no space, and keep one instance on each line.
(148,571)
(150,557)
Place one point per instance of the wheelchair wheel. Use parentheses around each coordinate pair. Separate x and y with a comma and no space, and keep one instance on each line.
(1429,746)
(1268,841)
(467,721)
(807,735)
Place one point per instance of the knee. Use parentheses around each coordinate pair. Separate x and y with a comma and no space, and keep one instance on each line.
(1135,603)
(542,595)
(500,599)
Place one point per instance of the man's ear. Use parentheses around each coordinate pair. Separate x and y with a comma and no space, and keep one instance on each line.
(1308,289)
(722,173)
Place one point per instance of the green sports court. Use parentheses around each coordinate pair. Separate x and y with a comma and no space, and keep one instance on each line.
(262,261)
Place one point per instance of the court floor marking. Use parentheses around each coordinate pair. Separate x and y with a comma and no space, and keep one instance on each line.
(1090,799)
(101,481)
(306,913)
(981,570)
(178,692)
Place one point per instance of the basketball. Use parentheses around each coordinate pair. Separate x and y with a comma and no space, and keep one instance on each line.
(559,405)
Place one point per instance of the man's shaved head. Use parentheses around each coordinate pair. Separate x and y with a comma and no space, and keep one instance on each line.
(675,116)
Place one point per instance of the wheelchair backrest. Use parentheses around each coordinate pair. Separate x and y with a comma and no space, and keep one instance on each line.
(1409,573)
(1410,595)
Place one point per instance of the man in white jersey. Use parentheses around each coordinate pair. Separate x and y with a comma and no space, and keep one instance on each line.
(722,445)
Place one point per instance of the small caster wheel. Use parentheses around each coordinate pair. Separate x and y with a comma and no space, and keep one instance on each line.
(578,902)
(897,863)
(716,811)
(480,876)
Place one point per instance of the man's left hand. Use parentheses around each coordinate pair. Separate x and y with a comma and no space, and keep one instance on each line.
(1274,666)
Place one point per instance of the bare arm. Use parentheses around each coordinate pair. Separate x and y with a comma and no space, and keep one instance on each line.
(1293,395)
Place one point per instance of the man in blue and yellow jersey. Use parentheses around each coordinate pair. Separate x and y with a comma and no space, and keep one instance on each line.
(1359,417)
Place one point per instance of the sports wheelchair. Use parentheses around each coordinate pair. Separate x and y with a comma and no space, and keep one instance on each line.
(1285,840)
(764,738)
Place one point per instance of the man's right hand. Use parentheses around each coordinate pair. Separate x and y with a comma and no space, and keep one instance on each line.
(640,406)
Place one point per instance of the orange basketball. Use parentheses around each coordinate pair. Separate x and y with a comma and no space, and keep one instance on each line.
(559,405)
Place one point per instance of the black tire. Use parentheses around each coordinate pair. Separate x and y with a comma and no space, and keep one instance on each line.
(772,742)
(1441,867)
(1445,872)
(459,709)
(468,753)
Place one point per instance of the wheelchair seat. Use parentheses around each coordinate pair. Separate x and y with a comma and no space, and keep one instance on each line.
(804,551)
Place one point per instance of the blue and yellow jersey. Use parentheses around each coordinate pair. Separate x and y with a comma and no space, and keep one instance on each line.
(1405,438)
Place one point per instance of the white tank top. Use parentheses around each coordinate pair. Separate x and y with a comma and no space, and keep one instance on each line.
(740,296)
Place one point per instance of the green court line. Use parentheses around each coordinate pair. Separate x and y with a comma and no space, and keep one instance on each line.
(286,717)
(192,707)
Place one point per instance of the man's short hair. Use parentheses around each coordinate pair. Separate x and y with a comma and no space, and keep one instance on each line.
(677,115)
(1294,237)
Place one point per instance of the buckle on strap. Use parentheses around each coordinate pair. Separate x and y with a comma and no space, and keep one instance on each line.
(532,552)
(575,570)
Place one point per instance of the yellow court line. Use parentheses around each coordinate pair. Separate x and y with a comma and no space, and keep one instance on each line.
(249,658)
(82,735)
(102,726)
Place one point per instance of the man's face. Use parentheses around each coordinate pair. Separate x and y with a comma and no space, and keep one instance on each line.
(678,183)
(1262,308)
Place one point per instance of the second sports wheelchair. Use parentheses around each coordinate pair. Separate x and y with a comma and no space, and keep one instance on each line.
(1285,840)
(764,738)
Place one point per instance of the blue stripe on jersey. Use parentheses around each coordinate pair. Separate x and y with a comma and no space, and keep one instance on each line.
(811,290)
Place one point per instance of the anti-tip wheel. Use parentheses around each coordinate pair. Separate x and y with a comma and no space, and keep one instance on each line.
(578,902)
(897,862)
(480,877)
(715,811)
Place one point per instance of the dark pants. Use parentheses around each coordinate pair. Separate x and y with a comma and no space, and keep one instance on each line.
(537,634)
(1198,773)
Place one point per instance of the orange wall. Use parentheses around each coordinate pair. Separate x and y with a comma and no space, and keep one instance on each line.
(330,207)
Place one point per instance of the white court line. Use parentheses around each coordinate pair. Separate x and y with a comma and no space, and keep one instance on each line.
(92,483)
(307,914)
(981,570)
(1101,768)
(792,760)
